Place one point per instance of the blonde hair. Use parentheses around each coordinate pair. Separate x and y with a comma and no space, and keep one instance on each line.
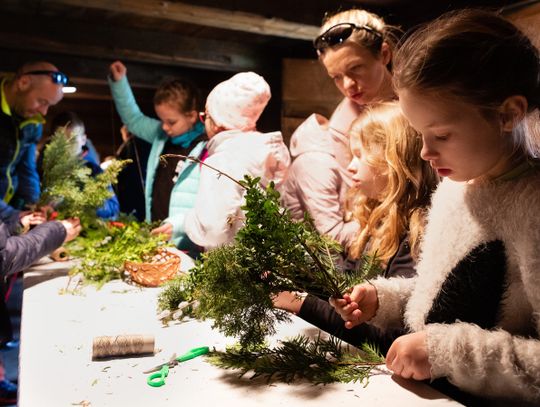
(393,148)
(364,38)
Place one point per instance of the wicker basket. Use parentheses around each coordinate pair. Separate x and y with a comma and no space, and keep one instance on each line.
(163,266)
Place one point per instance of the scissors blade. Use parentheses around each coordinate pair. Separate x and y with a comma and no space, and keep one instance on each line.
(171,363)
(155,368)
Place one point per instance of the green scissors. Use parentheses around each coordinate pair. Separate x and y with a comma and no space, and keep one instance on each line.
(160,372)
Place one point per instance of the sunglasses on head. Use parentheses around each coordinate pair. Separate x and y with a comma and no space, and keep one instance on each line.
(57,77)
(339,33)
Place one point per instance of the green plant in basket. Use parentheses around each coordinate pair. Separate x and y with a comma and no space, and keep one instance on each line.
(103,247)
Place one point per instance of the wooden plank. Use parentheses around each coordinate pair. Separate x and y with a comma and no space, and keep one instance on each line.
(522,10)
(307,79)
(205,16)
(90,40)
(528,19)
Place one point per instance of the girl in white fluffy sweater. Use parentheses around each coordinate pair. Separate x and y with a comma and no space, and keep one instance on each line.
(469,83)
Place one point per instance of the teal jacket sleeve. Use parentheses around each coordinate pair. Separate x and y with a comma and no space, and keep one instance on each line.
(144,127)
(177,222)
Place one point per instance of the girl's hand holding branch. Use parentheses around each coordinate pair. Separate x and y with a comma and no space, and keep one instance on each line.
(357,307)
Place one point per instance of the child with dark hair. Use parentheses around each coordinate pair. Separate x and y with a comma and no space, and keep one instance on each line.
(171,184)
(472,311)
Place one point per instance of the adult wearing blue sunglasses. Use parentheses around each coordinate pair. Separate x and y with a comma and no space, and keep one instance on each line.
(25,99)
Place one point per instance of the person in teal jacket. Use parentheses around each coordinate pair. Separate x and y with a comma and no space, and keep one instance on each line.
(171,183)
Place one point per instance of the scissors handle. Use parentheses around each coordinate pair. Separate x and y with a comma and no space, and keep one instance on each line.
(157,379)
(193,353)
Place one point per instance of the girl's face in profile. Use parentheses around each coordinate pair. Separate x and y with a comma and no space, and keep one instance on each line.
(174,122)
(459,141)
(367,178)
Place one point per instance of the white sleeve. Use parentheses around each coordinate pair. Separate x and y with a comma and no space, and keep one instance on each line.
(213,221)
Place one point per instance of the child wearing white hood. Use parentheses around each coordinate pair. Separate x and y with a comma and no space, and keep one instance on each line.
(237,149)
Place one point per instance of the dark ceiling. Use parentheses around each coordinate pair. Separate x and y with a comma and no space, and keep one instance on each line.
(213,35)
(205,40)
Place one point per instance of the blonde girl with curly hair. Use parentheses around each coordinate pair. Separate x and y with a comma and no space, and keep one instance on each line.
(391,193)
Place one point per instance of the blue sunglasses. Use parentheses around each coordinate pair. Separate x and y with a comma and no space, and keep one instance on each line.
(56,76)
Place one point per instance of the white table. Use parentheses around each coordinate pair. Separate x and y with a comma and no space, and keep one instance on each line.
(56,367)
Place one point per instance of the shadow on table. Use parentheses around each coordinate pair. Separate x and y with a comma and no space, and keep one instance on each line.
(302,388)
(419,388)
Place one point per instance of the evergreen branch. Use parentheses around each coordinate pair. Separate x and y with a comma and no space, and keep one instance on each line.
(317,360)
(68,184)
(234,284)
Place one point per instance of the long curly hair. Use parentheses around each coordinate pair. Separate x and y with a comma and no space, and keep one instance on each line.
(393,149)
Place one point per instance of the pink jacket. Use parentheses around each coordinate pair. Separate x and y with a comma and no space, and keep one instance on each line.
(216,216)
(317,180)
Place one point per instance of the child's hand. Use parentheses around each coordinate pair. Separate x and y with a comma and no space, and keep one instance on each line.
(118,70)
(165,229)
(125,133)
(357,307)
(288,301)
(29,218)
(73,228)
(408,357)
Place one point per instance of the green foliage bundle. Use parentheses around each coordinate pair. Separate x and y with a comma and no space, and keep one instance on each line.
(68,185)
(103,247)
(235,284)
(317,360)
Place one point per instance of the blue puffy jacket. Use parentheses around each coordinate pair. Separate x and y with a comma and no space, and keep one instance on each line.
(19,180)
(111,207)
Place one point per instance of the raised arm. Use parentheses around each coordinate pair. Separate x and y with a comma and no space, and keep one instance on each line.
(144,127)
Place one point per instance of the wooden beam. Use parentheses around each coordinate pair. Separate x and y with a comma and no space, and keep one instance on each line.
(64,36)
(143,77)
(522,9)
(205,16)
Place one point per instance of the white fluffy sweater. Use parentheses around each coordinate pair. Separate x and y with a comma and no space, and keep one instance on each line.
(501,362)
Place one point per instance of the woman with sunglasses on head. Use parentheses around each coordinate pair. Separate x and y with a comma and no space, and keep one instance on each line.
(171,183)
(355,47)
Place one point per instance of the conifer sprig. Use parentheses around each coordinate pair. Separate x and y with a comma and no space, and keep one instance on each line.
(234,284)
(68,185)
(318,360)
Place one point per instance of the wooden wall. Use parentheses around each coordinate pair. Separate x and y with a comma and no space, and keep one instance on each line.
(528,19)
(306,89)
